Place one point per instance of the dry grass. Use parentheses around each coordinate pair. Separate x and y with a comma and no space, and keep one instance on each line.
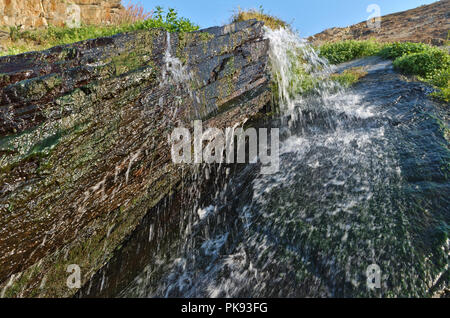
(270,21)
(134,12)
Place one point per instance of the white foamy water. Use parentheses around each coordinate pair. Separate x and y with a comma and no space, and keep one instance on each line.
(289,53)
(174,71)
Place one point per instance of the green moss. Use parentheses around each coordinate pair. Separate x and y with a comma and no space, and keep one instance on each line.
(73,100)
(47,143)
(205,36)
(184,39)
(127,62)
(36,88)
(67,53)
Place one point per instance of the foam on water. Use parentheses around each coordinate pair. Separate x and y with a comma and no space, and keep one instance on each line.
(174,71)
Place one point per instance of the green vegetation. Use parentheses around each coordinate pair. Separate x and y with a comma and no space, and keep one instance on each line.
(441,79)
(430,64)
(398,49)
(423,64)
(270,21)
(341,52)
(32,40)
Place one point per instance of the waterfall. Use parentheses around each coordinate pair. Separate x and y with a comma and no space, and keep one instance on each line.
(293,61)
(339,204)
(174,72)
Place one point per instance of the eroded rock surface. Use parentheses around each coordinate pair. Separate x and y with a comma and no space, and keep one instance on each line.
(83,139)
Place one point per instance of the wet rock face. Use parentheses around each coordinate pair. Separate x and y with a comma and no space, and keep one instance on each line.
(42,13)
(84,128)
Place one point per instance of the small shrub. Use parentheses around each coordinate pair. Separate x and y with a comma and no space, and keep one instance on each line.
(170,21)
(344,51)
(442,93)
(269,20)
(431,64)
(440,77)
(14,33)
(441,80)
(398,49)
(424,63)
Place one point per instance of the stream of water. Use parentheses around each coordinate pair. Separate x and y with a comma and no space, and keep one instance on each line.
(363,180)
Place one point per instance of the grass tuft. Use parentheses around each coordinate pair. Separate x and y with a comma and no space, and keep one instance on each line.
(269,20)
(350,76)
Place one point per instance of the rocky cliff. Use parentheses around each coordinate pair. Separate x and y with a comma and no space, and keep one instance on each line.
(426,24)
(41,13)
(84,140)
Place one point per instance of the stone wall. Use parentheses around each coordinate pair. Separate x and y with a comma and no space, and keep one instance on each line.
(84,152)
(41,13)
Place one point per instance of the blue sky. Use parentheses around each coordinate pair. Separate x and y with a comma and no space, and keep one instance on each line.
(308,16)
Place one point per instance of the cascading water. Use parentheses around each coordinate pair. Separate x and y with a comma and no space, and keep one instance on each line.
(173,71)
(347,196)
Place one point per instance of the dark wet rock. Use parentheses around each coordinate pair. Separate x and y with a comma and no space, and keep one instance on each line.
(359,185)
(83,140)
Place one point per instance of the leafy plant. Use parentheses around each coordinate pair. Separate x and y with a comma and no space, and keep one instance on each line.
(440,77)
(398,49)
(170,21)
(344,51)
(424,63)
(441,80)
